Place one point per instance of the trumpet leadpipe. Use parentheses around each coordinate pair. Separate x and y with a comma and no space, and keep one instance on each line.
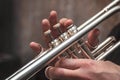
(111,5)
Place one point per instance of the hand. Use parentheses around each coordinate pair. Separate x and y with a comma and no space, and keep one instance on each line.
(92,37)
(83,69)
(64,22)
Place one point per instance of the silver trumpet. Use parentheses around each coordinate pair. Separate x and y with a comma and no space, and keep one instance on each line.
(71,44)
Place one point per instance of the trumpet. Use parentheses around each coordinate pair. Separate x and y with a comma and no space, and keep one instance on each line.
(71,44)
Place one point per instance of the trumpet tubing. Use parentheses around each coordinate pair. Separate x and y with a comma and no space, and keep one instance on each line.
(71,44)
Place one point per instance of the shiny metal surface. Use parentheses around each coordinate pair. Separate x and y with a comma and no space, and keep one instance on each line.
(42,60)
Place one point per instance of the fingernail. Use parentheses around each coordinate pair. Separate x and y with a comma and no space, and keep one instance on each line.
(53,12)
(97,32)
(47,72)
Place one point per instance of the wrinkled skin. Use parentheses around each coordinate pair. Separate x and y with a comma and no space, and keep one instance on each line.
(76,69)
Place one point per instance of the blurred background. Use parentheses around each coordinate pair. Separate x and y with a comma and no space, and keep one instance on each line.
(20,24)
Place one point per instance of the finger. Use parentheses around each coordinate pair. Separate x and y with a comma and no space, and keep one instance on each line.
(65,23)
(73,63)
(57,73)
(53,21)
(62,21)
(68,22)
(92,37)
(36,47)
(53,18)
(45,25)
(47,32)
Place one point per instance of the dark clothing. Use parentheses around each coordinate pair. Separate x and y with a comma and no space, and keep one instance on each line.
(115,56)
